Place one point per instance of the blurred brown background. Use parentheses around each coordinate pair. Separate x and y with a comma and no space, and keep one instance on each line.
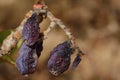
(95,24)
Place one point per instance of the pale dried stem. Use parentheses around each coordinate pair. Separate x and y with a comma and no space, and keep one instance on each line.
(51,26)
(66,29)
(10,42)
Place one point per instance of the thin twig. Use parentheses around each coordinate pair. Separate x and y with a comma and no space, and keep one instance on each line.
(66,29)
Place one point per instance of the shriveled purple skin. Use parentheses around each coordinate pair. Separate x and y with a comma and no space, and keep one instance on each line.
(76,62)
(31,30)
(59,60)
(31,47)
(27,60)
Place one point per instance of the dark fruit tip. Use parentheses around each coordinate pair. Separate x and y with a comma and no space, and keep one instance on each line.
(76,61)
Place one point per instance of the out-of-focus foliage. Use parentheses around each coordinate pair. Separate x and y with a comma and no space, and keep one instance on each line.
(3,35)
(8,59)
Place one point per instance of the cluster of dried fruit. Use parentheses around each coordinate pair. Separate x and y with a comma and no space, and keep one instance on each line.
(32,45)
(31,48)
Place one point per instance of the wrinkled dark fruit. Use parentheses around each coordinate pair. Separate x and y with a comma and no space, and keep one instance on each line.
(76,61)
(38,45)
(31,47)
(27,60)
(31,30)
(59,60)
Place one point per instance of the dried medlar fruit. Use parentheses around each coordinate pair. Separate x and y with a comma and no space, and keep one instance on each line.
(59,60)
(27,60)
(31,30)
